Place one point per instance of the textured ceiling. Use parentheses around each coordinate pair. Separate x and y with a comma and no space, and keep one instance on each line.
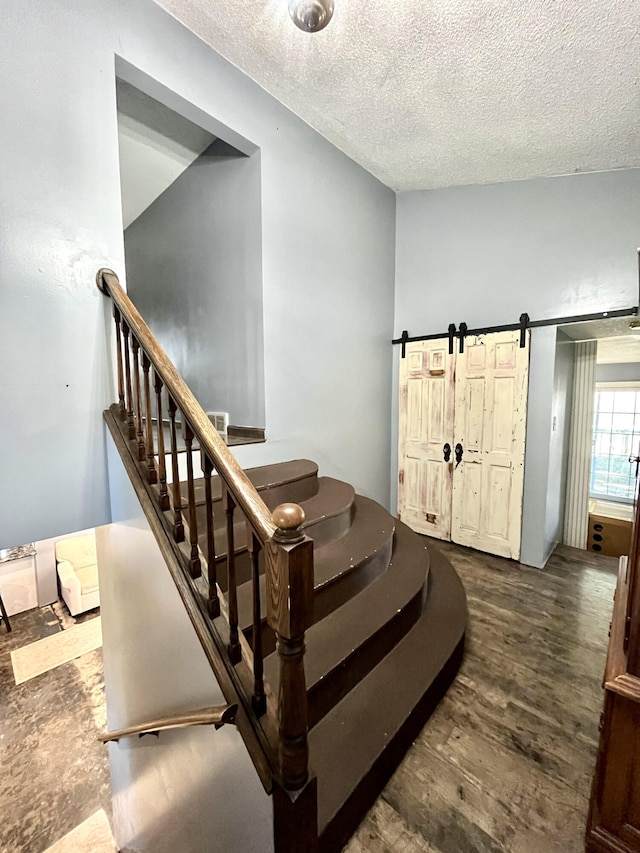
(436,93)
(614,327)
(617,341)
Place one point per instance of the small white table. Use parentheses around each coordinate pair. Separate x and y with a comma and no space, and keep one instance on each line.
(18,586)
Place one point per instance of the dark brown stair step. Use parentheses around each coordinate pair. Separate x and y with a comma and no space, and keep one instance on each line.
(328,513)
(293,481)
(341,568)
(361,632)
(356,747)
(351,641)
(345,566)
(328,517)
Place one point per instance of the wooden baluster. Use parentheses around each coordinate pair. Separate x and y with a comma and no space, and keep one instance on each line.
(178,526)
(152,475)
(162,469)
(195,569)
(135,346)
(289,610)
(131,429)
(117,318)
(213,602)
(235,651)
(258,700)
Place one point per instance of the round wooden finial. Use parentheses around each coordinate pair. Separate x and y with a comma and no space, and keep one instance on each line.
(288,518)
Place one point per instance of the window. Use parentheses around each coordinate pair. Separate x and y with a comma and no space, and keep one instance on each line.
(616,437)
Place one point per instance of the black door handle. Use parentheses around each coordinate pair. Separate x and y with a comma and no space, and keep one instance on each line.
(458,454)
(447,452)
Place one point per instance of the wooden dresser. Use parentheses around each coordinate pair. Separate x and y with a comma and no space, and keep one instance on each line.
(613,824)
(610,528)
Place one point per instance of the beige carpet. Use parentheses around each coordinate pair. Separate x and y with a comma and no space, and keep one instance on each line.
(46,654)
(92,836)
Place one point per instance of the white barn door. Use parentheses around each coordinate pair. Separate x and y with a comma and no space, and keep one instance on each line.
(464,484)
(426,437)
(490,429)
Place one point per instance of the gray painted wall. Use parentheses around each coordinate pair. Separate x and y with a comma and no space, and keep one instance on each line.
(559,439)
(484,254)
(213,784)
(626,372)
(535,547)
(155,146)
(547,448)
(194,271)
(328,258)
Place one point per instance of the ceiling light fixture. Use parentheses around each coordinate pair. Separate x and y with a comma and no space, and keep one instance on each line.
(311,16)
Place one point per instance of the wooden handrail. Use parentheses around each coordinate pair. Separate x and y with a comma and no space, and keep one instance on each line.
(274,728)
(217,715)
(243,490)
(260,740)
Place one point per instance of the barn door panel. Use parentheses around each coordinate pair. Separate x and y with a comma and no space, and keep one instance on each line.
(490,426)
(425,437)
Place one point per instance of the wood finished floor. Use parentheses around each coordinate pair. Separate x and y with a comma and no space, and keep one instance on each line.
(54,773)
(505,763)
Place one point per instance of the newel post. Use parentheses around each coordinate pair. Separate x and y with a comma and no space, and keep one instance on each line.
(289,580)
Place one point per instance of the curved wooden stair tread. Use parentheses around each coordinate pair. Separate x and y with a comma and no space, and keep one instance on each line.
(328,516)
(369,545)
(347,644)
(356,747)
(298,475)
(387,639)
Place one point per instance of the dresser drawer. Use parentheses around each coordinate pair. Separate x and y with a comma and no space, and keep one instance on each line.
(609,536)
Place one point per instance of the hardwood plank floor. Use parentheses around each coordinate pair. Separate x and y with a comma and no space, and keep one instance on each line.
(55,774)
(505,763)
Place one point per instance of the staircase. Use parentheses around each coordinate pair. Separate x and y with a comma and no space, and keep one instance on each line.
(334,627)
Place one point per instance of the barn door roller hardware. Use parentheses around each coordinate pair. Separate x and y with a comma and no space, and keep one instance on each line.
(452,334)
(403,340)
(462,332)
(522,326)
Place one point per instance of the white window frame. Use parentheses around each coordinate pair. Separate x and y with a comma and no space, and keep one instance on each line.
(611,386)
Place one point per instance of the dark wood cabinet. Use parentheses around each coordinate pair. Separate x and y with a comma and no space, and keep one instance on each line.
(614,814)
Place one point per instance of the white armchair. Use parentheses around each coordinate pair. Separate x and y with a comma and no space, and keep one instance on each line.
(77,567)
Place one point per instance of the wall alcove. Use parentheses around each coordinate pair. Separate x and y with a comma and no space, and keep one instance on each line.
(193,248)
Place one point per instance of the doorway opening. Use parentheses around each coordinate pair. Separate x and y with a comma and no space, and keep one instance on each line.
(191,205)
(605,446)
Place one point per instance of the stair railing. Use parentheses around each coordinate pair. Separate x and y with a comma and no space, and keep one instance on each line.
(217,716)
(278,724)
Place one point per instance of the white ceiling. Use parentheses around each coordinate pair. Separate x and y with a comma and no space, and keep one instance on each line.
(613,327)
(156,145)
(436,93)
(618,343)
